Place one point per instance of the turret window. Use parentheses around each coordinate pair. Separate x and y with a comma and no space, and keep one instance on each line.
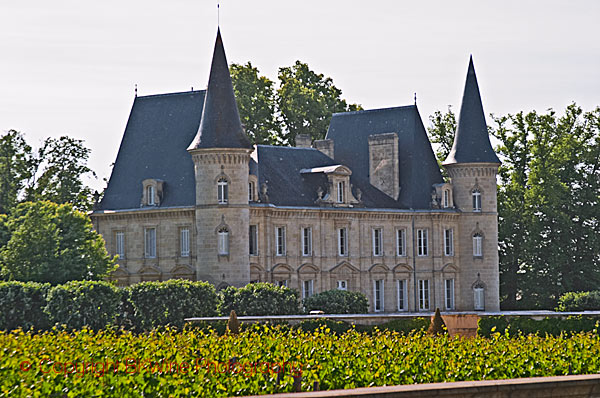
(222,191)
(476,200)
(223,236)
(477,245)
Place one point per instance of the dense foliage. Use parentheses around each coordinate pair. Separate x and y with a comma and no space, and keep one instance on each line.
(22,305)
(258,299)
(548,202)
(579,301)
(302,104)
(52,243)
(199,363)
(337,302)
(169,303)
(514,326)
(83,303)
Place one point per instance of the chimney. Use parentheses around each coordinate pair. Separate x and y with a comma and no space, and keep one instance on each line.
(384,168)
(325,146)
(303,141)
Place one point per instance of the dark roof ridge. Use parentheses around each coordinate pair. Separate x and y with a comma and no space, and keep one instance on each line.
(374,110)
(169,94)
(286,147)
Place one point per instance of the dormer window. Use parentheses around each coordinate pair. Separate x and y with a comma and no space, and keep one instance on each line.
(222,191)
(251,191)
(152,192)
(446,198)
(476,200)
(341,188)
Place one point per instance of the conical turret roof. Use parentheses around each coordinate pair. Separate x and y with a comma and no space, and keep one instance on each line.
(471,141)
(220,126)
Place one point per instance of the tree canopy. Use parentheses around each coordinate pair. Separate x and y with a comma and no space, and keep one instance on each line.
(48,242)
(303,103)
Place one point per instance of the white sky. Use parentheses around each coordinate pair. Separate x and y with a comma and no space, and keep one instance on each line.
(69,67)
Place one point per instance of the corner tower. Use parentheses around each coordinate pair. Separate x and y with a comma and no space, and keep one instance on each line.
(472,166)
(221,153)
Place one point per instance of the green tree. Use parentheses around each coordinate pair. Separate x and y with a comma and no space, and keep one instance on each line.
(441,132)
(16,168)
(306,101)
(255,97)
(53,243)
(61,165)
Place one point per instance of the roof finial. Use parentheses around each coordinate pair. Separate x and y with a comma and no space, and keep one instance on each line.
(415,99)
(135,90)
(218,16)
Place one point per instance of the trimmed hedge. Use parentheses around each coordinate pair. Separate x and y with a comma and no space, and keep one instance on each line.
(169,303)
(83,303)
(337,302)
(22,305)
(258,299)
(579,301)
(547,326)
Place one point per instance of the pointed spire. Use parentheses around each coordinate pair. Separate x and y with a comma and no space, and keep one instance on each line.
(220,126)
(471,141)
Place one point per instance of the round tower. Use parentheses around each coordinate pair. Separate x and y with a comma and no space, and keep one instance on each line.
(221,154)
(472,166)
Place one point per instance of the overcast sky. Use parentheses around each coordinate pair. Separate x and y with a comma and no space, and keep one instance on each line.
(69,67)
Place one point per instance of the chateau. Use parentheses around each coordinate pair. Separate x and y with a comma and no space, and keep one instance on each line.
(366,209)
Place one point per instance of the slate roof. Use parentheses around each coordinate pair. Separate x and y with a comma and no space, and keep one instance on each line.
(159,130)
(471,141)
(220,126)
(279,167)
(419,169)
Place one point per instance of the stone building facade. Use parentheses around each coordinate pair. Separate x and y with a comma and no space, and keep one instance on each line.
(366,209)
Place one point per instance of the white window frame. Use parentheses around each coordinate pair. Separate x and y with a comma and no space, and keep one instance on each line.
(377,241)
(449,242)
(402,294)
(253,240)
(184,242)
(476,194)
(150,242)
(223,242)
(307,288)
(151,193)
(342,285)
(378,295)
(306,241)
(343,242)
(477,245)
(280,241)
(449,294)
(222,191)
(401,242)
(446,198)
(479,299)
(341,194)
(120,244)
(422,242)
(424,295)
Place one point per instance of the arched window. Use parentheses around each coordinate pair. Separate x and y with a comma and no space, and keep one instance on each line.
(476,200)
(150,192)
(477,245)
(222,191)
(223,236)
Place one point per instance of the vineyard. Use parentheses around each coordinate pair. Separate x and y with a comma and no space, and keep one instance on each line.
(264,359)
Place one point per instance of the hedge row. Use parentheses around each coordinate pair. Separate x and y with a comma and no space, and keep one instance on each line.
(579,301)
(548,326)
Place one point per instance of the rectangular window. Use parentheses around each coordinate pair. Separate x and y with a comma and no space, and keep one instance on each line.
(449,294)
(342,285)
(120,244)
(223,242)
(250,191)
(280,241)
(446,199)
(423,294)
(377,242)
(449,242)
(422,244)
(222,191)
(402,295)
(378,295)
(253,243)
(282,283)
(477,246)
(184,237)
(307,241)
(341,186)
(151,195)
(150,246)
(401,242)
(476,200)
(307,288)
(342,241)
